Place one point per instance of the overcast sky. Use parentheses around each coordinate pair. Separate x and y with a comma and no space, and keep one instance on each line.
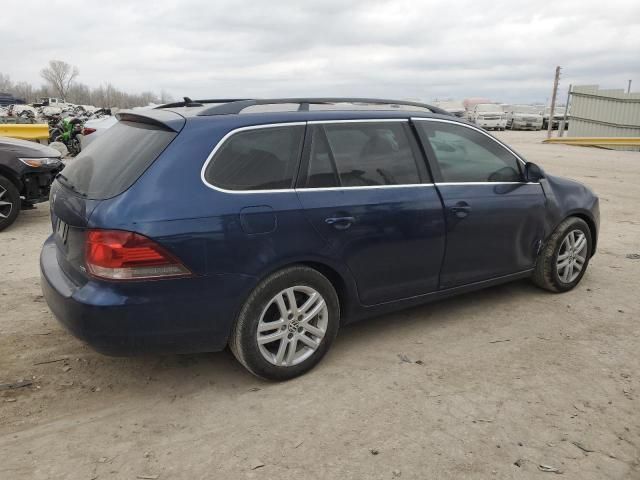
(504,50)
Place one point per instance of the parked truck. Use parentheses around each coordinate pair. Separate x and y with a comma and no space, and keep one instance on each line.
(50,102)
(558,116)
(488,116)
(524,117)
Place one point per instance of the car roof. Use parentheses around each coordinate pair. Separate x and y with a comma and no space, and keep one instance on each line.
(233,121)
(262,112)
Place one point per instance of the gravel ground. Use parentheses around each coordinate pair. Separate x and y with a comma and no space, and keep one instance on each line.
(502,383)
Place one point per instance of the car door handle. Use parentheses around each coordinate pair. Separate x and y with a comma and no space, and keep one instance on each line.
(461,209)
(340,223)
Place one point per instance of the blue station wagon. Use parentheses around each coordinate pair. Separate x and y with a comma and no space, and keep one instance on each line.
(266,224)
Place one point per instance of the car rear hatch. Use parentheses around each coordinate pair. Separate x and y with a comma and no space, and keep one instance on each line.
(105,169)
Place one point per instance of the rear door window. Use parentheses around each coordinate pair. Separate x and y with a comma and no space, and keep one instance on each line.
(258,159)
(362,154)
(116,159)
(322,172)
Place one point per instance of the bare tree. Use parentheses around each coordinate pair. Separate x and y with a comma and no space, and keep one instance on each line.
(24,91)
(59,75)
(165,97)
(6,85)
(76,92)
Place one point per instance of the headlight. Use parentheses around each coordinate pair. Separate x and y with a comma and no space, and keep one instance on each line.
(40,162)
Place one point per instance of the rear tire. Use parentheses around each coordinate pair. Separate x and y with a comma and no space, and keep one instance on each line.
(9,202)
(564,260)
(287,324)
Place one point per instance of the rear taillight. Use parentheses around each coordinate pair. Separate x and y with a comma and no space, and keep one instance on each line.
(87,130)
(120,255)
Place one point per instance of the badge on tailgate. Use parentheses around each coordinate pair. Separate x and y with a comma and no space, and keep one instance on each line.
(62,232)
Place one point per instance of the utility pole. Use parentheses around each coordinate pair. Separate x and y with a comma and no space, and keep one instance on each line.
(629,87)
(564,117)
(553,102)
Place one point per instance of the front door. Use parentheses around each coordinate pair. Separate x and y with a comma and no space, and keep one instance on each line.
(365,189)
(494,218)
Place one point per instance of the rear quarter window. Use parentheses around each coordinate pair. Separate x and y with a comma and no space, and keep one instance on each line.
(258,159)
(116,159)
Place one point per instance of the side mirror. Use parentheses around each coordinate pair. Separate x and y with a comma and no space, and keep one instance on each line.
(532,172)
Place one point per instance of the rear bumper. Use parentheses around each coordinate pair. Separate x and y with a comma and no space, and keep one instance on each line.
(170,316)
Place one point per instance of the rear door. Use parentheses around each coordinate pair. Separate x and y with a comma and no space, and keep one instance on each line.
(495,219)
(365,188)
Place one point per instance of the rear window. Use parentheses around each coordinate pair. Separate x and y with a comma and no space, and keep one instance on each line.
(261,159)
(116,159)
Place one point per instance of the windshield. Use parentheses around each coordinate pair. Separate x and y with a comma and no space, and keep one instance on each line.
(115,160)
(489,107)
(526,109)
(558,111)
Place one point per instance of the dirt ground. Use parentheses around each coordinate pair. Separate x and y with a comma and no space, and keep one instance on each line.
(502,383)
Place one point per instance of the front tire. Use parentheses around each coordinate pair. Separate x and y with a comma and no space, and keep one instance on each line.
(287,324)
(564,260)
(9,202)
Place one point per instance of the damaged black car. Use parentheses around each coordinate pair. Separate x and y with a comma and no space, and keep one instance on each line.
(27,170)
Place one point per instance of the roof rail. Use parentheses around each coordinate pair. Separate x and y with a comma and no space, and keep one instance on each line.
(199,103)
(237,106)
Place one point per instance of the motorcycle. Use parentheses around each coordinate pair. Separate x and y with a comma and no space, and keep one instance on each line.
(66,131)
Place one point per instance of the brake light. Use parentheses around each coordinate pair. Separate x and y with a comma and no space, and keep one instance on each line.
(88,130)
(121,255)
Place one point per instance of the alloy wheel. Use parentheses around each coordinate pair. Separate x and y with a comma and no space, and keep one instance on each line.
(292,326)
(572,256)
(5,206)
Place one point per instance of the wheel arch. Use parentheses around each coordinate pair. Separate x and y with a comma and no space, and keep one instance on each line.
(338,282)
(588,219)
(592,228)
(341,281)
(11,176)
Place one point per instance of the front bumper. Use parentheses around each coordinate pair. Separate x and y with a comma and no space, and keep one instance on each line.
(524,125)
(124,318)
(595,212)
(491,123)
(36,183)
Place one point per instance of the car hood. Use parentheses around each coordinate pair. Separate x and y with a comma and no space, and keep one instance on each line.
(26,149)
